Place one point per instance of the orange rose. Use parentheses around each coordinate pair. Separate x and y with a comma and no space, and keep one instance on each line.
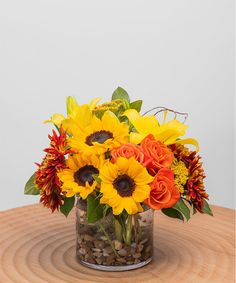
(163,193)
(157,154)
(128,150)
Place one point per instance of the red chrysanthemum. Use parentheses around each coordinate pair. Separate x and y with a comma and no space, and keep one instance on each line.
(195,189)
(46,178)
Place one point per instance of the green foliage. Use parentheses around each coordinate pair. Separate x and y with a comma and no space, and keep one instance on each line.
(173,213)
(67,205)
(30,187)
(94,209)
(182,208)
(206,208)
(120,93)
(136,105)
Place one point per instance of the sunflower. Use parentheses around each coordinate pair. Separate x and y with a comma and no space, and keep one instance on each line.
(124,185)
(99,136)
(78,178)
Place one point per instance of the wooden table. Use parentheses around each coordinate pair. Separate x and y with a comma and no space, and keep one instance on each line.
(37,247)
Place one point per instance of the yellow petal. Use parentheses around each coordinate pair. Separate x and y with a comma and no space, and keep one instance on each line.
(108,190)
(130,205)
(123,165)
(136,138)
(70,126)
(83,115)
(70,193)
(191,141)
(117,210)
(94,103)
(141,193)
(56,119)
(71,163)
(71,105)
(169,132)
(143,124)
(108,173)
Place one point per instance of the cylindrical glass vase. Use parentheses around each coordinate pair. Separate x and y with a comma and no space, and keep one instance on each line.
(108,244)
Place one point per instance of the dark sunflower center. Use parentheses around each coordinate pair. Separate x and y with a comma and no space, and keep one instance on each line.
(99,137)
(85,174)
(124,185)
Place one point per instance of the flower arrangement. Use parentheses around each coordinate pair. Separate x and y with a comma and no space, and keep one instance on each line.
(120,163)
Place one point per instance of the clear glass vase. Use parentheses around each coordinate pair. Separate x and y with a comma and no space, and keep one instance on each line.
(108,245)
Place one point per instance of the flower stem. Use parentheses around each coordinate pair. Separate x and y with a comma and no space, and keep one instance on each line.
(128,230)
(108,238)
(118,230)
(137,229)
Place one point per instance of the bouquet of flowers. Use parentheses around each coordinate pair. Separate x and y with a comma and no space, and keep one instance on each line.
(119,162)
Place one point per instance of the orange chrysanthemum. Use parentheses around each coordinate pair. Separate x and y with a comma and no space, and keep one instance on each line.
(46,178)
(194,188)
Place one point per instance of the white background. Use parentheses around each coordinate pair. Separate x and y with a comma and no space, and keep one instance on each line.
(173,53)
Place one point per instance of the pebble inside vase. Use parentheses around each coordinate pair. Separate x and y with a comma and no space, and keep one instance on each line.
(106,245)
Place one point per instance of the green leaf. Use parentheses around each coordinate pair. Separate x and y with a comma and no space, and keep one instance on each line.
(206,208)
(173,213)
(136,105)
(182,208)
(120,93)
(94,209)
(67,205)
(30,187)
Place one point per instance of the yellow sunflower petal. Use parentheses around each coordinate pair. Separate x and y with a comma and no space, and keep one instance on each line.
(123,165)
(130,205)
(141,193)
(108,190)
(117,210)
(70,193)
(108,173)
(71,163)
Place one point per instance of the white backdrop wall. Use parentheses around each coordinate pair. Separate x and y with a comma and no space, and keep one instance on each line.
(173,53)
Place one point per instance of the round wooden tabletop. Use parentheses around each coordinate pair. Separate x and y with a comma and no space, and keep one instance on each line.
(37,247)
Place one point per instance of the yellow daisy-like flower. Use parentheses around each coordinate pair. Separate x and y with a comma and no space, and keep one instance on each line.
(78,177)
(124,185)
(99,135)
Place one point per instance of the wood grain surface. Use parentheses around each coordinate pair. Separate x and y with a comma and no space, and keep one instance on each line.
(37,247)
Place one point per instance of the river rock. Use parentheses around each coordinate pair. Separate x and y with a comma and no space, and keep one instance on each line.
(122,252)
